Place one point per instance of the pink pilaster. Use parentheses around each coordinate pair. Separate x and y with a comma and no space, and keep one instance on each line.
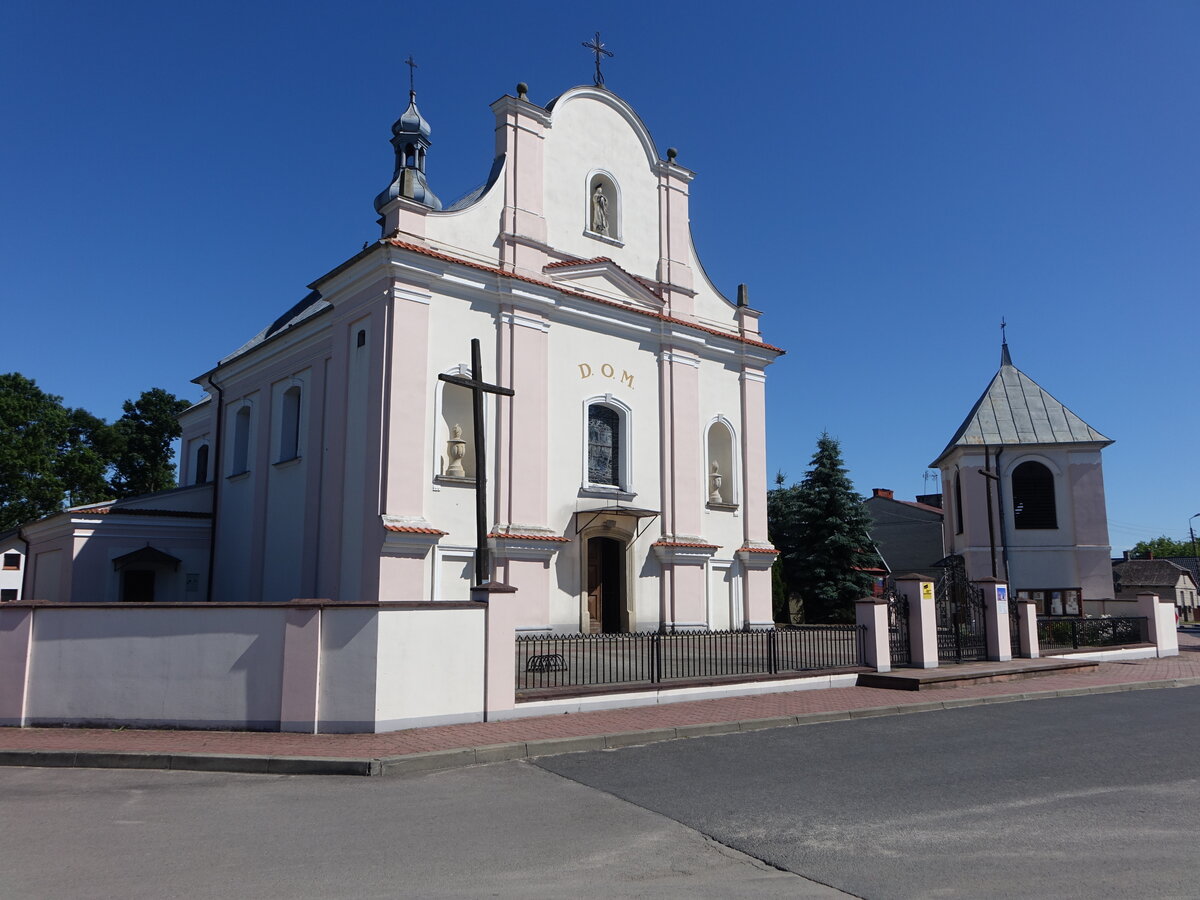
(301,666)
(16,632)
(503,617)
(922,620)
(872,613)
(685,466)
(408,392)
(520,140)
(1160,621)
(754,457)
(522,466)
(684,567)
(756,586)
(674,228)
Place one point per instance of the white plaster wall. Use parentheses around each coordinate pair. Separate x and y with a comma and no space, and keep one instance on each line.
(157,666)
(431,668)
(589,134)
(469,232)
(349,656)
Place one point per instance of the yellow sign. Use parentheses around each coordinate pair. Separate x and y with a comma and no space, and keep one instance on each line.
(926,590)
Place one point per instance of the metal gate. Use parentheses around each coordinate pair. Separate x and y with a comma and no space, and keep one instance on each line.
(898,644)
(961,622)
(1014,627)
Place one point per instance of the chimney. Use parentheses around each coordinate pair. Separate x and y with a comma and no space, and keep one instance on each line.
(885,493)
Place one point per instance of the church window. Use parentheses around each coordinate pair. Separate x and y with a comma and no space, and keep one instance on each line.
(720,488)
(241,441)
(362,338)
(1033,496)
(958,517)
(202,465)
(289,425)
(604,445)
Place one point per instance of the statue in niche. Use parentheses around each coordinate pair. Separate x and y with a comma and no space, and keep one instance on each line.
(599,211)
(714,495)
(456,449)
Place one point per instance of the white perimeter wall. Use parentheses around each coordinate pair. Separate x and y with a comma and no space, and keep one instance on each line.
(351,668)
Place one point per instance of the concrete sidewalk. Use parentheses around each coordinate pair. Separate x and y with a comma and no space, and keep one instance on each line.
(426,749)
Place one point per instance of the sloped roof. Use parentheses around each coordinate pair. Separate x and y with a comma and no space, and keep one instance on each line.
(1148,573)
(1015,410)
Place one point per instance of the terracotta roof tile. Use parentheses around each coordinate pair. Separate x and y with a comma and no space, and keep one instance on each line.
(566,263)
(413,529)
(756,550)
(531,537)
(435,254)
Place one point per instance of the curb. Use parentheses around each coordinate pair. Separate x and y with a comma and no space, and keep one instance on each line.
(437,760)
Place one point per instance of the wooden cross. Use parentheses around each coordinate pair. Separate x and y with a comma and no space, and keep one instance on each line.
(412,71)
(598,48)
(478,387)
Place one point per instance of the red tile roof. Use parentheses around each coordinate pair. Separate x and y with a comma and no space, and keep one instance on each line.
(471,264)
(413,529)
(564,263)
(756,550)
(531,537)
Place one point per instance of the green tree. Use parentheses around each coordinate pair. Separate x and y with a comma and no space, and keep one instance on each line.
(141,443)
(820,528)
(49,454)
(1162,547)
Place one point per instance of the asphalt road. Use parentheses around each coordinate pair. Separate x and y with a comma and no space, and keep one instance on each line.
(509,830)
(1089,797)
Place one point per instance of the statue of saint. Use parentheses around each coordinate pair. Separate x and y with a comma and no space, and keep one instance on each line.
(599,211)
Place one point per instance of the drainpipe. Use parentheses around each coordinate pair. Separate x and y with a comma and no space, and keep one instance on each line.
(217,479)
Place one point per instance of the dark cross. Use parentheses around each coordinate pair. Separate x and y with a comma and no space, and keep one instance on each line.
(478,387)
(1003,336)
(598,48)
(412,71)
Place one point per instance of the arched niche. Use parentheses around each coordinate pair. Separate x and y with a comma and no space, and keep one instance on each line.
(721,469)
(602,218)
(454,408)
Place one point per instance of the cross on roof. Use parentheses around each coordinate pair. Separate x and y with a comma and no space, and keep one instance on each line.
(412,71)
(598,48)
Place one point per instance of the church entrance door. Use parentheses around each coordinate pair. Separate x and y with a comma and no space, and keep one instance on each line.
(605,584)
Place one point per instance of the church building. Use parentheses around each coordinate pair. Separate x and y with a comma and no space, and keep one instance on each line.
(1023,484)
(626,473)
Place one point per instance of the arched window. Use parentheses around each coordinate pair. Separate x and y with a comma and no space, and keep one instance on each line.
(1033,496)
(720,484)
(289,425)
(241,441)
(604,445)
(202,464)
(958,519)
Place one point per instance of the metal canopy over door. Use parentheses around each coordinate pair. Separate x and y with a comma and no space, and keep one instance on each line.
(961,623)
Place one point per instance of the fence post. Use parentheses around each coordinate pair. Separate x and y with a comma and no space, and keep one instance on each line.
(871,614)
(657,640)
(1160,619)
(922,619)
(772,652)
(1027,628)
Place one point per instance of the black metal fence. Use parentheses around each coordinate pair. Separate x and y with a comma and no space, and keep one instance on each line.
(586,660)
(1073,633)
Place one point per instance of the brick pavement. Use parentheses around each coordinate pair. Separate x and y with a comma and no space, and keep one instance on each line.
(585,724)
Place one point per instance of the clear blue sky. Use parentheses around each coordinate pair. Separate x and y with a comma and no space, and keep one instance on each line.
(889,178)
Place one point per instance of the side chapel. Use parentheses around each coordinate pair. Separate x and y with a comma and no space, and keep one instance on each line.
(627,473)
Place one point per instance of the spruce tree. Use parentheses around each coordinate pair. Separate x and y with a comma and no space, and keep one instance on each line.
(820,528)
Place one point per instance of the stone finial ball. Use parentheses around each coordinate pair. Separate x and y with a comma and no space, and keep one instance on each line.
(522,89)
(672,153)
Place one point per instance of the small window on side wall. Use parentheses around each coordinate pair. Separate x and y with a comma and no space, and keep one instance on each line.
(241,441)
(1033,497)
(289,425)
(12,560)
(201,465)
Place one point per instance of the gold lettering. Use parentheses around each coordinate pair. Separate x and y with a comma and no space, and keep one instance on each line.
(626,378)
(607,371)
(585,371)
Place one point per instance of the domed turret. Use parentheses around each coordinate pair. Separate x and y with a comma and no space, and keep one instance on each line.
(410,138)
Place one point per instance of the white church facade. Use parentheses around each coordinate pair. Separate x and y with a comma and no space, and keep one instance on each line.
(626,474)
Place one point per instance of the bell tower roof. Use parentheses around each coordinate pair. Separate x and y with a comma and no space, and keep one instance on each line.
(410,140)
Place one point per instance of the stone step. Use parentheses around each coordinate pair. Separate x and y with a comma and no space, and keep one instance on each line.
(957,674)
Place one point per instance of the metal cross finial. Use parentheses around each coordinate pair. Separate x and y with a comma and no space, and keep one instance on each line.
(412,71)
(598,48)
(1003,335)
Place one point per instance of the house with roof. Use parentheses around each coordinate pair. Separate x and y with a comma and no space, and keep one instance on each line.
(12,565)
(1172,582)
(1024,483)
(907,533)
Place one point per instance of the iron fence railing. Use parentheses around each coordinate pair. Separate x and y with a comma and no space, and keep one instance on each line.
(587,660)
(1073,633)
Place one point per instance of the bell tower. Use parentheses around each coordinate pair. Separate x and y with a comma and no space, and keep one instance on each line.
(410,140)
